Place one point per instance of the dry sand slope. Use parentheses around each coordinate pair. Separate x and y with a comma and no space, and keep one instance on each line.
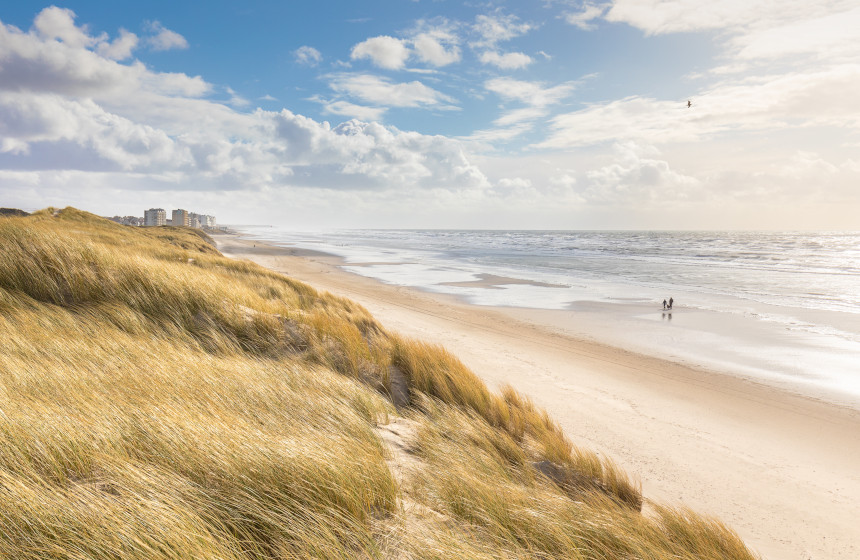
(782,470)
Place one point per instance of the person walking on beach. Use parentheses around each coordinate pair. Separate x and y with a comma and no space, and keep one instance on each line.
(670,302)
(664,304)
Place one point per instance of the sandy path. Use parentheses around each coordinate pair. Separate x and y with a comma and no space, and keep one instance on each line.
(782,470)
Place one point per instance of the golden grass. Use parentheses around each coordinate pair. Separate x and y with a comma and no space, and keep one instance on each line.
(476,475)
(160,401)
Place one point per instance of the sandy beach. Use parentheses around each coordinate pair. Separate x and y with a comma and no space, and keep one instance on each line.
(781,469)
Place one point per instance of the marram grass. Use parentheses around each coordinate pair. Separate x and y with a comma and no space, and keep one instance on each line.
(158,400)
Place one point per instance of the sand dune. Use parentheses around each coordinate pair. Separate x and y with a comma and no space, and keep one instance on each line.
(781,469)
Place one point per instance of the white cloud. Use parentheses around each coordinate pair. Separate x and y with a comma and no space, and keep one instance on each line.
(40,63)
(345,108)
(432,42)
(782,102)
(565,180)
(99,139)
(830,36)
(236,100)
(438,48)
(308,56)
(672,16)
(515,182)
(754,29)
(369,155)
(383,92)
(106,125)
(634,178)
(498,27)
(121,47)
(523,114)
(584,19)
(59,24)
(384,51)
(506,61)
(530,93)
(164,39)
(504,130)
(517,121)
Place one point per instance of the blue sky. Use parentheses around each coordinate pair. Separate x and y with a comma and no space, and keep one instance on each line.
(553,114)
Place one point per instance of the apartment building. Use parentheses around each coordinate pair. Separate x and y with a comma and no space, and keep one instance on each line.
(181,218)
(155,217)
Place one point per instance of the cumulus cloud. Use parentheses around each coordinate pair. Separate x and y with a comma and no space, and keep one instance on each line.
(69,111)
(635,178)
(585,18)
(46,125)
(565,180)
(345,108)
(381,91)
(38,62)
(493,29)
(438,48)
(164,39)
(121,47)
(308,56)
(530,93)
(498,27)
(384,51)
(506,61)
(59,24)
(432,42)
(371,155)
(515,183)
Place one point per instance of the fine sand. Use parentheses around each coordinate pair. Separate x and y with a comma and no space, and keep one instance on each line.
(780,469)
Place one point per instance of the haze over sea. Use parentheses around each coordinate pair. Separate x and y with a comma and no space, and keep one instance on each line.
(780,308)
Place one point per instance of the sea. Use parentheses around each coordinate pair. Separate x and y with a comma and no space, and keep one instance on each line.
(775,307)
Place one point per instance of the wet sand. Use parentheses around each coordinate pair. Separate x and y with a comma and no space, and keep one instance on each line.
(494,282)
(781,469)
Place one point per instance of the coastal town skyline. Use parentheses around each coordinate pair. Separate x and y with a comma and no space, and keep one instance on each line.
(158,217)
(626,114)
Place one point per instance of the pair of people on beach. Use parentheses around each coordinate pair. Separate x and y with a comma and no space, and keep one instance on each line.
(670,303)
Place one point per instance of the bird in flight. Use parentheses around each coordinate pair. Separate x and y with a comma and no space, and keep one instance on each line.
(689,104)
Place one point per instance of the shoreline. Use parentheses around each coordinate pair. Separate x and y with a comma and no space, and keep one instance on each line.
(779,468)
(813,352)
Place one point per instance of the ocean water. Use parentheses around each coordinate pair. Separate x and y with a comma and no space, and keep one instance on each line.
(780,306)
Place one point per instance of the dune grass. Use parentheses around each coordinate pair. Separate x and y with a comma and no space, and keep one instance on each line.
(158,400)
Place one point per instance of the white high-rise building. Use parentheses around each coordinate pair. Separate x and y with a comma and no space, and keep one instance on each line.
(202,220)
(154,217)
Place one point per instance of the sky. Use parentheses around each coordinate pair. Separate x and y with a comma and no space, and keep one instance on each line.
(550,114)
